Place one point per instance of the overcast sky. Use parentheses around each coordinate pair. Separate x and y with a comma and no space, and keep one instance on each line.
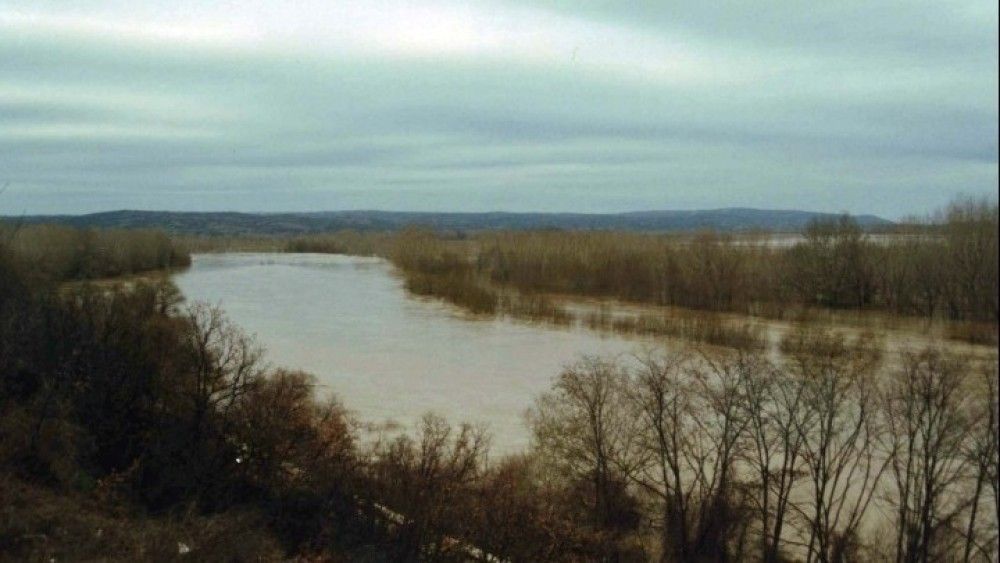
(888,107)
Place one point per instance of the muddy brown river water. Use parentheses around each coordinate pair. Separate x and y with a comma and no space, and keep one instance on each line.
(388,355)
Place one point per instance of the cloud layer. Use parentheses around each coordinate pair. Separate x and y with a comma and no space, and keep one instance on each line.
(875,106)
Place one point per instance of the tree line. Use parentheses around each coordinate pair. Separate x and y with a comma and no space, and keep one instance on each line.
(61,253)
(947,268)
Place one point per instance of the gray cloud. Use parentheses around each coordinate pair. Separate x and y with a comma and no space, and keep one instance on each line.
(886,107)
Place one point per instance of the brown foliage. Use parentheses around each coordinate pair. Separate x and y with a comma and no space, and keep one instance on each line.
(58,253)
(948,270)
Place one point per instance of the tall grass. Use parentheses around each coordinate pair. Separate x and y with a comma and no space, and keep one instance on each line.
(702,327)
(536,307)
(456,287)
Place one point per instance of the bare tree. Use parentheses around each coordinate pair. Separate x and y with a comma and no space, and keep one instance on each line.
(222,365)
(773,402)
(980,537)
(224,361)
(586,427)
(661,392)
(838,428)
(928,408)
(721,422)
(425,482)
(692,421)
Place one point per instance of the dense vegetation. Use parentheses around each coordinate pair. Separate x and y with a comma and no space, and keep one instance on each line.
(950,271)
(134,426)
(58,253)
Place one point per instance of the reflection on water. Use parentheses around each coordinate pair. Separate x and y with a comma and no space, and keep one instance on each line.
(387,354)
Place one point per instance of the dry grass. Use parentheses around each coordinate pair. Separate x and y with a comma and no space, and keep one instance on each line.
(692,326)
(458,288)
(534,307)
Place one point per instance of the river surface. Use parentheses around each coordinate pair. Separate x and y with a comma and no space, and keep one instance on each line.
(388,355)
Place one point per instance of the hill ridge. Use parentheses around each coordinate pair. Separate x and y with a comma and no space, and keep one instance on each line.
(290,222)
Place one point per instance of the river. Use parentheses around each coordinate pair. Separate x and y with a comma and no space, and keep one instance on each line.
(390,356)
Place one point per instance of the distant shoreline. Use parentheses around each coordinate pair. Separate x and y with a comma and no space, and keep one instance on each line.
(233,223)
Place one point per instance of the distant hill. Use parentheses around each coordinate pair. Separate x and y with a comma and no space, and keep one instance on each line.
(228,223)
